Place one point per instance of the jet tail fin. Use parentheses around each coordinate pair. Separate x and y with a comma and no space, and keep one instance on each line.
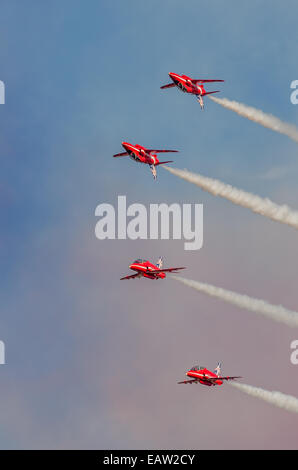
(159,262)
(218,369)
(153,170)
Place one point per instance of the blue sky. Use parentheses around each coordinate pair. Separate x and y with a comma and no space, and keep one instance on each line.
(93,363)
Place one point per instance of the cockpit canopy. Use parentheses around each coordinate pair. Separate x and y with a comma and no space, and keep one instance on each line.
(140,261)
(196,368)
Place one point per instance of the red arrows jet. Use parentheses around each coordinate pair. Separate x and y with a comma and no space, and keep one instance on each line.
(189,85)
(200,374)
(143,155)
(144,268)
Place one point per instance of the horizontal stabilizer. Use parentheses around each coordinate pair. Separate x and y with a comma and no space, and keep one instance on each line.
(211,92)
(161,163)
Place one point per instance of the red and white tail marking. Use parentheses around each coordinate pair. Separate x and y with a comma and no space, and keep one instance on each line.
(218,369)
(153,170)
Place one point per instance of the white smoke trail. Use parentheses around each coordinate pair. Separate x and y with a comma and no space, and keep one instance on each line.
(258,116)
(287,402)
(274,312)
(263,206)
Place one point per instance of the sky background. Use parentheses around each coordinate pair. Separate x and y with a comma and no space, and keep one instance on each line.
(93,362)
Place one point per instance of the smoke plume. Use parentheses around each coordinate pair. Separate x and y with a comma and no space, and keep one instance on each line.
(273,312)
(287,402)
(258,116)
(259,205)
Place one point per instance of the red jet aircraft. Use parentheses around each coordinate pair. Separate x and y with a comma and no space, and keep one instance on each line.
(144,268)
(189,85)
(143,155)
(200,374)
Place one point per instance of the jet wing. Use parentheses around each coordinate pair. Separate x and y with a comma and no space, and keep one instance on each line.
(161,151)
(206,81)
(188,381)
(129,277)
(170,85)
(120,154)
(156,271)
(213,379)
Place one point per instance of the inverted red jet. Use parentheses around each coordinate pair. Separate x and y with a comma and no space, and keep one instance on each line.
(200,374)
(144,268)
(190,85)
(141,154)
